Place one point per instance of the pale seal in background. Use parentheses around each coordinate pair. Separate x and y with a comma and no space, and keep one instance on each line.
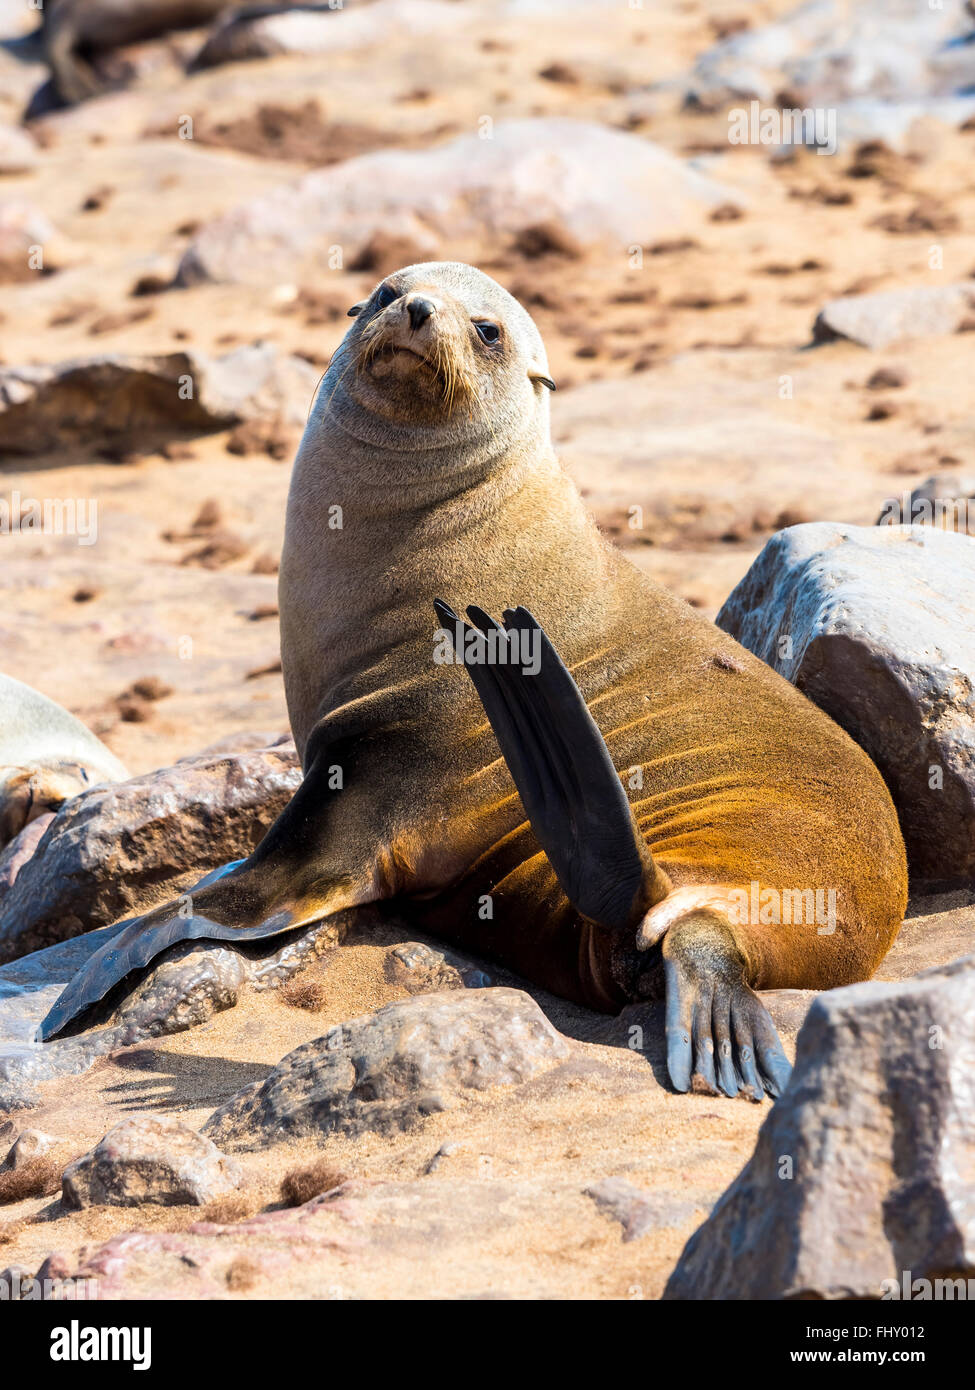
(46,756)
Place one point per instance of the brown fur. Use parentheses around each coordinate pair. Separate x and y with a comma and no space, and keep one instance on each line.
(743,779)
(74,29)
(404,492)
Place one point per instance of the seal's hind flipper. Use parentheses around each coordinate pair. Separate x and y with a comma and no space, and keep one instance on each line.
(561,766)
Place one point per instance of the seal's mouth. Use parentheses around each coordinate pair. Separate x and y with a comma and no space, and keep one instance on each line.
(388,350)
(390,355)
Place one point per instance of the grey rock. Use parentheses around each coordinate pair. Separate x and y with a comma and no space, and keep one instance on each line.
(877,626)
(420,969)
(388,1070)
(29,1144)
(20,1284)
(150,1160)
(120,403)
(895,316)
(118,850)
(831,53)
(862,1171)
(636,1210)
(603,187)
(446,1150)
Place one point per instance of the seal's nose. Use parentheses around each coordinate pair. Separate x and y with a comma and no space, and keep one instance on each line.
(419,310)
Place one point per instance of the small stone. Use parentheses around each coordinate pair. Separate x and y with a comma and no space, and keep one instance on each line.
(420,969)
(150,1160)
(446,1150)
(892,316)
(638,1211)
(887,379)
(30,1143)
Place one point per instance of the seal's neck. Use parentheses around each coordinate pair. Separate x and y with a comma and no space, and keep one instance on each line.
(401,467)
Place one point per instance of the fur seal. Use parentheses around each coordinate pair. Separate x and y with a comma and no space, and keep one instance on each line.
(426,475)
(46,756)
(74,31)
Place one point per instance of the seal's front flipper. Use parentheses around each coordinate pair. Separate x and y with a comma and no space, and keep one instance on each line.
(561,766)
(145,939)
(305,869)
(717,1028)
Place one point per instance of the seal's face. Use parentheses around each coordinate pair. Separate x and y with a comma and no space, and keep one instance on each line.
(442,344)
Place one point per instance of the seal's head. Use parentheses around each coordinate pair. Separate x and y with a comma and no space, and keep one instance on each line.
(31,791)
(441,346)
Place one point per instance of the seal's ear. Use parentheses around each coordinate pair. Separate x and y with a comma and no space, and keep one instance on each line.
(357,309)
(536,374)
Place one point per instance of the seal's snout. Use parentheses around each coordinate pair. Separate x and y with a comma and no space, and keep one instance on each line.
(419,309)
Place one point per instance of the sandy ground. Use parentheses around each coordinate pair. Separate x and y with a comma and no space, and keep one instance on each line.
(505,1214)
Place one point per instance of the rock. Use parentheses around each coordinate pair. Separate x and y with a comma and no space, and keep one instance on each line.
(29,1144)
(121,403)
(16,853)
(117,850)
(862,1171)
(895,316)
(446,1150)
(877,626)
(946,501)
(150,1160)
(388,1070)
(421,969)
(55,1269)
(637,1211)
(599,186)
(881,63)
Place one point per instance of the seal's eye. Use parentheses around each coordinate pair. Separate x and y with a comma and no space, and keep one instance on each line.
(385,296)
(487,332)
